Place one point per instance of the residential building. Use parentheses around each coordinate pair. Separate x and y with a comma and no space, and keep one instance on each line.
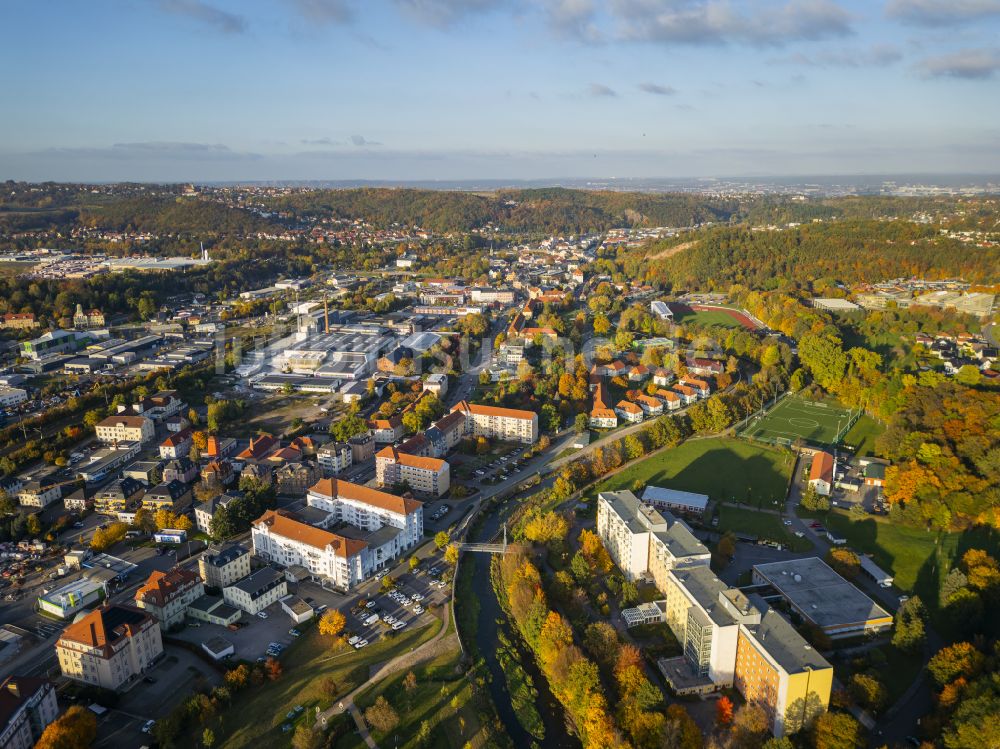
(779,671)
(642,541)
(629,411)
(260,447)
(119,428)
(369,509)
(295,478)
(27,705)
(705,367)
(167,595)
(602,416)
(362,447)
(670,399)
(506,424)
(335,457)
(109,647)
(182,469)
(701,387)
(436,383)
(387,431)
(663,377)
(217,474)
(256,591)
(424,475)
(221,566)
(875,474)
(19,321)
(39,492)
(278,536)
(177,445)
(821,473)
(686,394)
(121,495)
(78,501)
(823,598)
(205,511)
(169,495)
(650,406)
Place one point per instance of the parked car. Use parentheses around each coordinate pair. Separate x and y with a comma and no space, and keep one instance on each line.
(262,614)
(148,726)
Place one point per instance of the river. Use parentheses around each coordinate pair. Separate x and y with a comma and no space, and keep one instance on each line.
(553,716)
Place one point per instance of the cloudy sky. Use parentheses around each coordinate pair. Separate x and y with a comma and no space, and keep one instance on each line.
(507,89)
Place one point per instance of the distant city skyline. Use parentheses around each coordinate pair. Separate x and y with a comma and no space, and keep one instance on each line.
(418,90)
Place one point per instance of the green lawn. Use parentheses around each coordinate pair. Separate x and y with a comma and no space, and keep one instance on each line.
(257,713)
(761,524)
(707,318)
(796,418)
(918,559)
(725,469)
(442,696)
(862,435)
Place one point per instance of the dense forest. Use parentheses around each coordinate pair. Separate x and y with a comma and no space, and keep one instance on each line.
(162,209)
(849,251)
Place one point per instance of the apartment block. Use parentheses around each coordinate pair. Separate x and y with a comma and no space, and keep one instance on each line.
(256,591)
(167,595)
(27,705)
(120,428)
(109,647)
(507,424)
(369,509)
(221,566)
(423,475)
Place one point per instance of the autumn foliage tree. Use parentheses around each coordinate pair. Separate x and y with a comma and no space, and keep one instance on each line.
(723,712)
(75,729)
(332,623)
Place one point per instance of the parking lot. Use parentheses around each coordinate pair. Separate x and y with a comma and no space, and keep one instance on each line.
(409,603)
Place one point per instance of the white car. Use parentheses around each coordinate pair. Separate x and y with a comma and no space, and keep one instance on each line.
(360,644)
(354,639)
(262,614)
(416,596)
(399,625)
(418,609)
(148,726)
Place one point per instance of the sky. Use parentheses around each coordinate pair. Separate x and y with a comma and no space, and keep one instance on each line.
(238,90)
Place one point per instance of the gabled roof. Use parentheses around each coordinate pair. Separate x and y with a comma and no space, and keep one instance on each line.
(281,524)
(822,467)
(259,448)
(335,488)
(481,410)
(162,587)
(629,407)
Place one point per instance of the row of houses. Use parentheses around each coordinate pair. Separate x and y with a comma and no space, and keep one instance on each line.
(638,405)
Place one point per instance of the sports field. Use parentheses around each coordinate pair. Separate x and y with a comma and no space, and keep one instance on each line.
(816,422)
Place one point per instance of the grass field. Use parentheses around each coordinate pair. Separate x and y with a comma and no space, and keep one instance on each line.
(918,559)
(707,318)
(861,437)
(797,418)
(257,713)
(723,468)
(764,525)
(442,697)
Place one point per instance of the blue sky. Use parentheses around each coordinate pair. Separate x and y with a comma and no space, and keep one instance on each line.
(509,89)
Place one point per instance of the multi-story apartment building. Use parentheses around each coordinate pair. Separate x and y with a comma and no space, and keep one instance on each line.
(39,492)
(27,705)
(424,475)
(705,615)
(369,509)
(779,671)
(221,566)
(280,537)
(167,595)
(109,647)
(177,444)
(122,495)
(295,478)
(507,424)
(362,447)
(335,458)
(256,591)
(123,428)
(642,541)
(387,431)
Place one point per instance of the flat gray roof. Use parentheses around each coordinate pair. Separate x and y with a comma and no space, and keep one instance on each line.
(655,494)
(785,645)
(819,593)
(705,588)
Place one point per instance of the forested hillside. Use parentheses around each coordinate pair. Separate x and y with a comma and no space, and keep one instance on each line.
(847,250)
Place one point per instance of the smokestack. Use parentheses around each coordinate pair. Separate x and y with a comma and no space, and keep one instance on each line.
(326,315)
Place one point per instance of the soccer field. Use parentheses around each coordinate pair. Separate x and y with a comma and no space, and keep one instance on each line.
(816,422)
